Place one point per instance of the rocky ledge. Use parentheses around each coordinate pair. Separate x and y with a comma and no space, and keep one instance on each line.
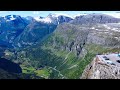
(98,69)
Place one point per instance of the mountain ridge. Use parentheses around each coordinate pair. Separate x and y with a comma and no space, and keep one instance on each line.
(62,47)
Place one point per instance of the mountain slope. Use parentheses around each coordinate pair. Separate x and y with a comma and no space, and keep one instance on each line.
(60,50)
(94,18)
(11,27)
(33,33)
(71,47)
(38,29)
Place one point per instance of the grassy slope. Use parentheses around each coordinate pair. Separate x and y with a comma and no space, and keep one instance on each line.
(57,62)
(64,64)
(60,63)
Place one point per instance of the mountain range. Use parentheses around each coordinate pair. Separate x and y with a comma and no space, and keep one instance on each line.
(57,46)
(14,28)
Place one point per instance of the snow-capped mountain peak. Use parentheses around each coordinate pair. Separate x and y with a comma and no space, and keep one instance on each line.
(46,19)
(9,17)
(58,14)
(54,18)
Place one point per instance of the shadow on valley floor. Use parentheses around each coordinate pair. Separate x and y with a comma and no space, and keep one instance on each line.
(9,66)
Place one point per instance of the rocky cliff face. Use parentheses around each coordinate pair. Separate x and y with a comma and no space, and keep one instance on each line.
(73,38)
(100,70)
(105,34)
(69,37)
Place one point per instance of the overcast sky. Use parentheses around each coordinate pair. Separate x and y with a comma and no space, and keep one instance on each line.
(45,13)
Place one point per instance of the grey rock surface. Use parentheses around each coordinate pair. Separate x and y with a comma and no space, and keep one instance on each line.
(100,70)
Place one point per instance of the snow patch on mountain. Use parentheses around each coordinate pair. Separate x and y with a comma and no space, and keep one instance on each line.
(9,18)
(46,20)
(61,14)
(53,18)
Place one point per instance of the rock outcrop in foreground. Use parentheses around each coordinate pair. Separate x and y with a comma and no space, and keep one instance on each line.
(100,70)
